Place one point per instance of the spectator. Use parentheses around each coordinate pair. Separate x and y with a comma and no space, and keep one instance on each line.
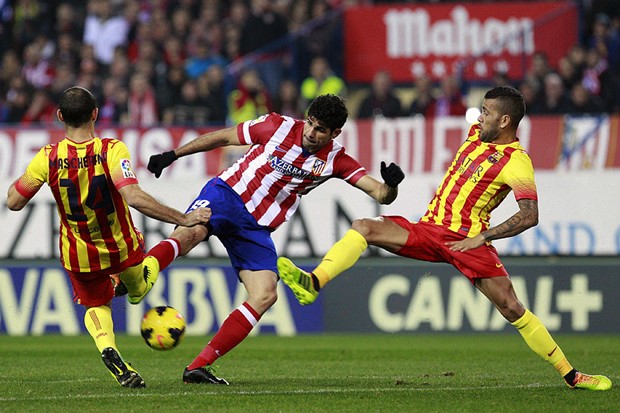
(189,110)
(538,70)
(216,81)
(449,102)
(582,102)
(288,102)
(66,52)
(37,71)
(250,100)
(262,27)
(530,92)
(556,100)
(568,73)
(424,98)
(65,78)
(169,89)
(141,105)
(321,81)
(181,22)
(598,79)
(202,60)
(211,92)
(69,21)
(381,101)
(17,100)
(41,111)
(104,30)
(110,108)
(11,66)
(173,52)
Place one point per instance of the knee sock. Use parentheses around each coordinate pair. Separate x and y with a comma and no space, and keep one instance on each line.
(540,341)
(165,252)
(98,322)
(341,256)
(232,332)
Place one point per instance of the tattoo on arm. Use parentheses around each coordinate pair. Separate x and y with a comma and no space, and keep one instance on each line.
(527,217)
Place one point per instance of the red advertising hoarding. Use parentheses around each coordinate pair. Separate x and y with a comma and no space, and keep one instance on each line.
(440,40)
(419,145)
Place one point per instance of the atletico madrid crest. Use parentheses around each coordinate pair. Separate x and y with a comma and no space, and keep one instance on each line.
(318,167)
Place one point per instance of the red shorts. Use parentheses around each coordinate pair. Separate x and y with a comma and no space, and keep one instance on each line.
(94,289)
(426,242)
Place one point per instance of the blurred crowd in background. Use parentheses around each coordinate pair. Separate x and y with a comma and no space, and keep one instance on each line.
(212,62)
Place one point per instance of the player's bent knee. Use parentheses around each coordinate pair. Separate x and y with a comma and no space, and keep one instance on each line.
(363,226)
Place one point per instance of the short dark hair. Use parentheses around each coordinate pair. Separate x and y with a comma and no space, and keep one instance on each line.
(510,102)
(330,110)
(76,105)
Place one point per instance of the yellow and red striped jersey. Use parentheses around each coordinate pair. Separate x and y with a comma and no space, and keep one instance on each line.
(96,229)
(480,177)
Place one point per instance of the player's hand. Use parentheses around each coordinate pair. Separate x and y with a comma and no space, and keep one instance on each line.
(467,243)
(197,216)
(158,162)
(392,175)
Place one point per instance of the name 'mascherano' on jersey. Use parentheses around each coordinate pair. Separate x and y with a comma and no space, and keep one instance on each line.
(478,180)
(96,229)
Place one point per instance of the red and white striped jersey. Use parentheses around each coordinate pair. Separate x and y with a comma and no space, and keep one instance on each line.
(276,171)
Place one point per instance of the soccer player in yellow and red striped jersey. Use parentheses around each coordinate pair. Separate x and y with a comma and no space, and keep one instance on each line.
(94,185)
(455,228)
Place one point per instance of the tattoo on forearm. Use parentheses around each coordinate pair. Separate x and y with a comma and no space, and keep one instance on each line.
(527,217)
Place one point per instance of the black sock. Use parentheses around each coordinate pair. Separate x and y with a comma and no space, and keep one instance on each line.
(315,282)
(570,377)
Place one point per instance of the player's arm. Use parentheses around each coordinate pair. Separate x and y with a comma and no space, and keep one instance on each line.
(203,143)
(149,206)
(526,217)
(381,192)
(14,200)
(386,192)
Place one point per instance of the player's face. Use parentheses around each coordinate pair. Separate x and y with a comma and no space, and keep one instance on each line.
(490,121)
(316,136)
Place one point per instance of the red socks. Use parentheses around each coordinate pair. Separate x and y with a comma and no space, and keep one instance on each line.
(165,252)
(232,332)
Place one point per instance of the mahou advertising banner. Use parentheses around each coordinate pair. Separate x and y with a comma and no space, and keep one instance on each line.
(440,40)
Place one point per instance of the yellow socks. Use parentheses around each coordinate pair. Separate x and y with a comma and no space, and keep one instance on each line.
(540,341)
(98,322)
(341,256)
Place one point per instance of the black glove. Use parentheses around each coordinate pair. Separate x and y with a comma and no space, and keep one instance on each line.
(392,175)
(158,162)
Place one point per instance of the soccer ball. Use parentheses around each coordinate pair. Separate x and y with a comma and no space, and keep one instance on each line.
(162,328)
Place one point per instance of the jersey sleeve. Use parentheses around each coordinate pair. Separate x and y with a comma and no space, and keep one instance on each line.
(348,168)
(36,174)
(259,130)
(119,162)
(519,175)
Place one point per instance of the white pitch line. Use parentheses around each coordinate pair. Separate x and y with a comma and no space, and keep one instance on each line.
(274,392)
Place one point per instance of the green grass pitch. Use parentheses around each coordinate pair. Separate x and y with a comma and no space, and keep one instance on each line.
(312,373)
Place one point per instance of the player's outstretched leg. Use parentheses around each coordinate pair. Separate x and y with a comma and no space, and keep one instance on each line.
(590,382)
(298,280)
(150,273)
(124,374)
(202,375)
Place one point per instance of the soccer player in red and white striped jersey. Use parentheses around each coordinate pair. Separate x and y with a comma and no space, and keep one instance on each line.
(455,228)
(287,158)
(93,185)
